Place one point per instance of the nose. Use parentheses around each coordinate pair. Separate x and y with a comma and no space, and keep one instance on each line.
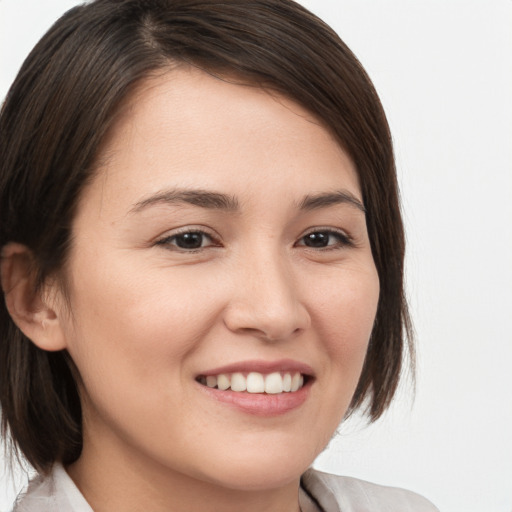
(266,302)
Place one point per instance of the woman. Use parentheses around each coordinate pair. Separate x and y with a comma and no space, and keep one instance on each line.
(202,260)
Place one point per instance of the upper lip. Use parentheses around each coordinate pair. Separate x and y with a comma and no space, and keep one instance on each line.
(265,367)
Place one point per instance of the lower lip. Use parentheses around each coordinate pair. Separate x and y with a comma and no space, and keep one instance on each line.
(260,404)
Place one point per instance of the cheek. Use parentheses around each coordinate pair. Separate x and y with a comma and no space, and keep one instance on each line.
(132,340)
(345,314)
(347,308)
(343,311)
(127,326)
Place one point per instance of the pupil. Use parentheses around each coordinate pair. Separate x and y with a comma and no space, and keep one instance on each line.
(189,240)
(317,240)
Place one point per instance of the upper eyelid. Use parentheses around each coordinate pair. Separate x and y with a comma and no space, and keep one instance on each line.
(166,242)
(216,238)
(187,229)
(347,240)
(329,229)
(337,231)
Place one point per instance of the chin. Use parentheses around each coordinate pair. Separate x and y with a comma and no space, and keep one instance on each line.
(263,470)
(255,479)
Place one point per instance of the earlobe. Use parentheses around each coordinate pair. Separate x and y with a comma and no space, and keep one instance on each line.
(34,311)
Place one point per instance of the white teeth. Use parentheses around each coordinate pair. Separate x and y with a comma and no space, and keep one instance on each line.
(238,382)
(223,382)
(211,381)
(274,383)
(255,382)
(287,382)
(295,382)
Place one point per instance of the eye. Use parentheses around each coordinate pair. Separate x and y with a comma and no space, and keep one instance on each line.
(188,240)
(325,239)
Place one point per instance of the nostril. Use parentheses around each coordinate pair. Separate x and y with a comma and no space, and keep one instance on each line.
(272,324)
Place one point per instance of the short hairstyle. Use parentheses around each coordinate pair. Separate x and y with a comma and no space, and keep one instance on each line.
(64,100)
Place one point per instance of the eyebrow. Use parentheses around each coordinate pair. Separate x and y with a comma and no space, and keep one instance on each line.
(218,201)
(201,198)
(323,200)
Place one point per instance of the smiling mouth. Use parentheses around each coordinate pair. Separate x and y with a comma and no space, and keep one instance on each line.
(254,382)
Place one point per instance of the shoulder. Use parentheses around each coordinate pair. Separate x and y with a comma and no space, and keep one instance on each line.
(54,492)
(38,495)
(340,493)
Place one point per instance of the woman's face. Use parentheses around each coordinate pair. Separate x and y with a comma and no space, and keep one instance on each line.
(222,242)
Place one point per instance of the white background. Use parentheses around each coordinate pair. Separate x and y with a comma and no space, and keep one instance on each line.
(443,69)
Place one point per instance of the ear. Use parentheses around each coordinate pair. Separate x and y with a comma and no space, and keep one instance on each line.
(35,312)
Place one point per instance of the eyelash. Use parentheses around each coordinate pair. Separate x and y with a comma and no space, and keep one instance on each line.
(343,240)
(169,240)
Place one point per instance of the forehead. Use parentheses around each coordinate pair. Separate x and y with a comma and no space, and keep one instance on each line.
(187,127)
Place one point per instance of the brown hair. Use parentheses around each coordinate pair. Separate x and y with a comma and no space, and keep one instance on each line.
(65,98)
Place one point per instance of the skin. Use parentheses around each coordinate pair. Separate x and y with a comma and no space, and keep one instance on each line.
(148,316)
